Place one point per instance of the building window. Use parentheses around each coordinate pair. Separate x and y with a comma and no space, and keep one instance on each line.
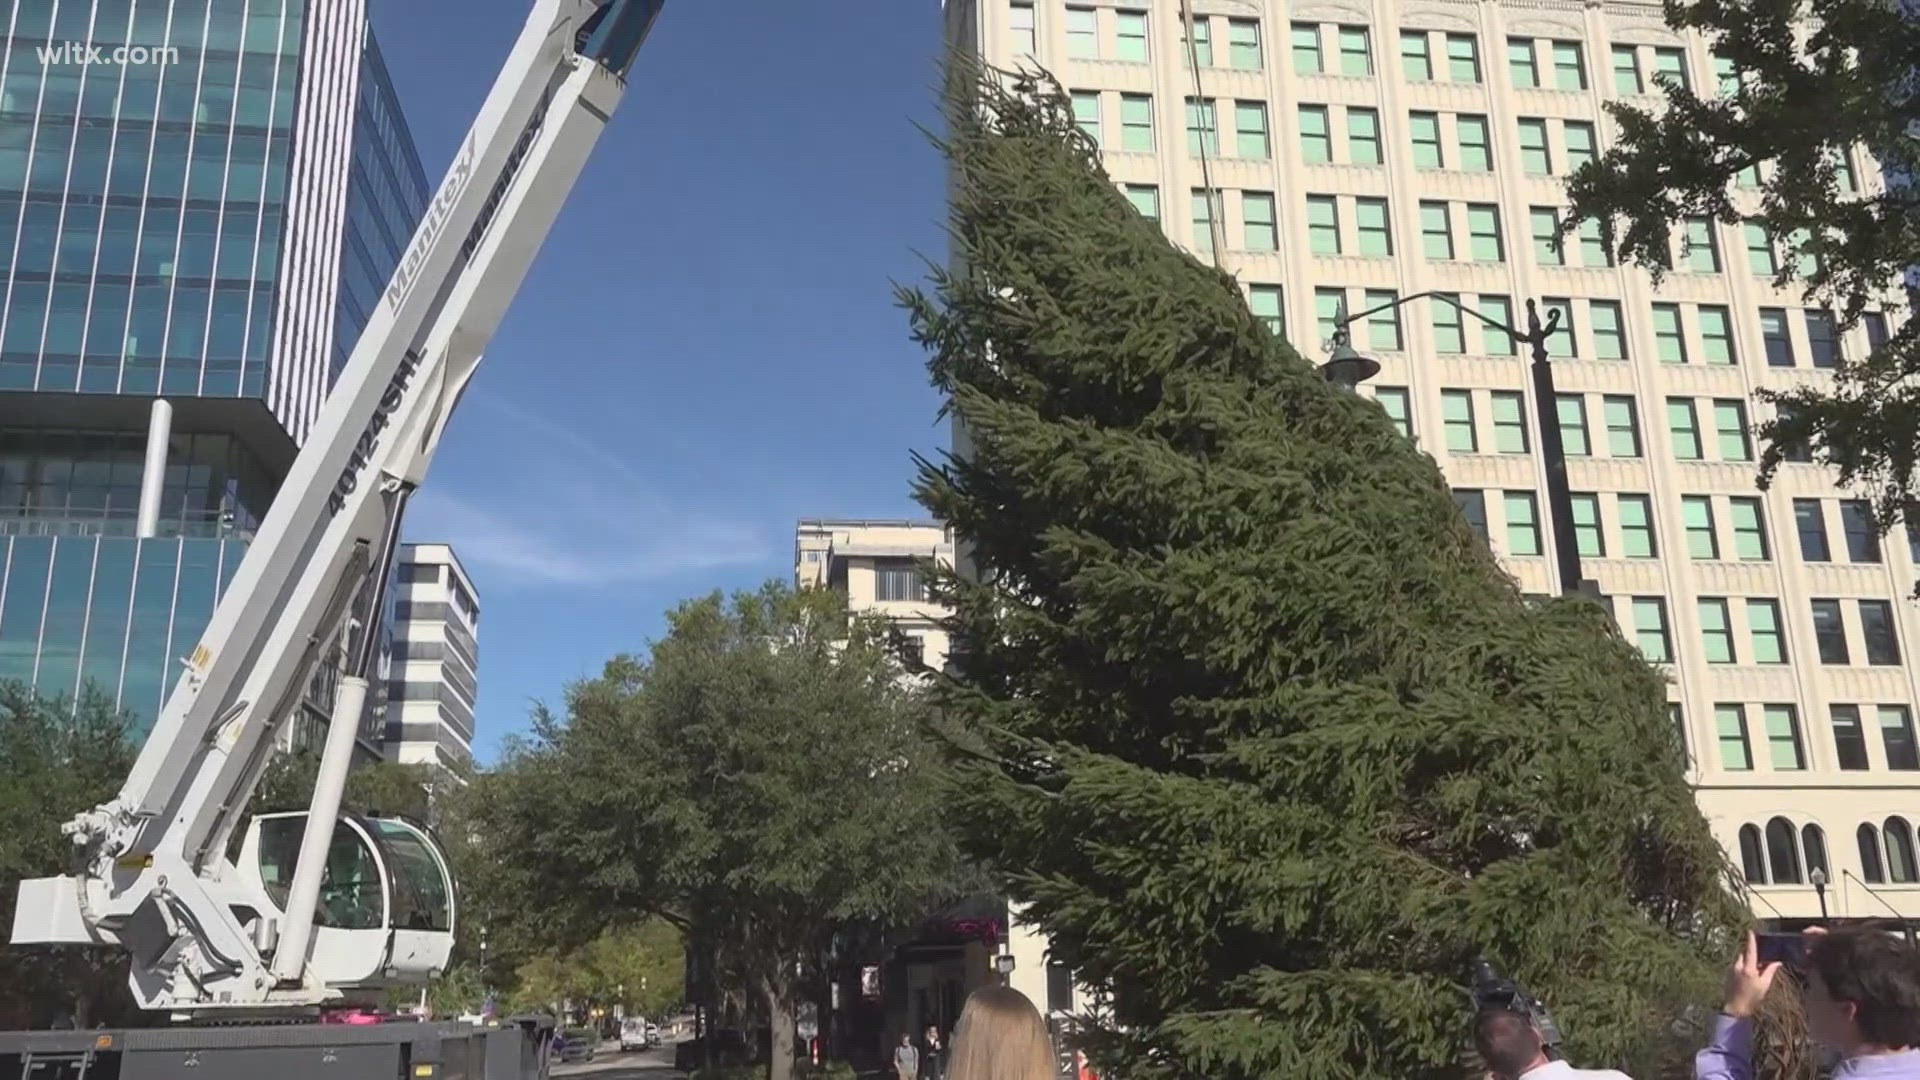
(1136,123)
(1449,332)
(1248,54)
(1871,867)
(1696,514)
(1562,345)
(1265,303)
(1547,249)
(1425,128)
(1307,59)
(1773,331)
(1059,988)
(1730,428)
(1571,410)
(1679,722)
(1753,856)
(1086,113)
(897,579)
(1476,143)
(1900,862)
(1523,524)
(1199,47)
(1863,535)
(1650,629)
(1626,71)
(1763,629)
(1783,853)
(1522,66)
(1356,54)
(1589,540)
(1250,128)
(1509,422)
(1456,414)
(1823,339)
(1670,65)
(1483,233)
(1727,76)
(1896,737)
(1329,306)
(1146,199)
(1383,327)
(1698,246)
(1363,136)
(1623,426)
(1534,156)
(1876,629)
(1609,340)
(1783,738)
(1473,507)
(1256,211)
(1749,529)
(1667,336)
(1876,326)
(1685,429)
(1715,629)
(1849,738)
(1416,55)
(1815,842)
(1636,527)
(1022,25)
(1436,229)
(1370,224)
(1735,754)
(1206,211)
(1463,58)
(1323,225)
(1495,341)
(1393,399)
(1580,146)
(1083,34)
(1203,128)
(1761,259)
(1716,335)
(1316,140)
(1830,631)
(1569,69)
(1132,31)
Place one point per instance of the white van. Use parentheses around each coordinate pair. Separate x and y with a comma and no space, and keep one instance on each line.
(633,1033)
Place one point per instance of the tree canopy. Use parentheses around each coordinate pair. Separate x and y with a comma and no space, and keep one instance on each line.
(1809,94)
(1245,710)
(760,776)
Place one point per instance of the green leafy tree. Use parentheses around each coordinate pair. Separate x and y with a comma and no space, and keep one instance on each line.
(59,757)
(1243,708)
(763,774)
(1818,85)
(419,792)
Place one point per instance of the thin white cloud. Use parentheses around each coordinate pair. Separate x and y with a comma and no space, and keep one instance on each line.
(557,509)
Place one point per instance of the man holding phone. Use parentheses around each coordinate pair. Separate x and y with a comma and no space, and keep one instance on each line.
(1862,1001)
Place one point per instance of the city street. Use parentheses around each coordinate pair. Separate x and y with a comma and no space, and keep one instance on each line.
(611,1064)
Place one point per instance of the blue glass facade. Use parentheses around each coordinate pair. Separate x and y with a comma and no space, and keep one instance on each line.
(205,213)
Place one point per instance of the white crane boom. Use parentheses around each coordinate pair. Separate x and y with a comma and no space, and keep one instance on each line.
(153,874)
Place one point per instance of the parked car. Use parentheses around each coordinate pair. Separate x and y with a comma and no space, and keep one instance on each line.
(575,1044)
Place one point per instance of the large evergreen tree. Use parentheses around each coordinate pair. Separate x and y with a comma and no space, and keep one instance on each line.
(1246,711)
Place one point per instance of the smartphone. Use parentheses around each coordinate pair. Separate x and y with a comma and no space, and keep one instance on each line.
(1788,949)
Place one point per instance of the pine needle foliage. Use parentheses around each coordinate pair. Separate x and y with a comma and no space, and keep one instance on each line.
(1247,713)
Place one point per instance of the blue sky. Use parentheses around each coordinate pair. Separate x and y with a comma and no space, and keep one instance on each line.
(707,349)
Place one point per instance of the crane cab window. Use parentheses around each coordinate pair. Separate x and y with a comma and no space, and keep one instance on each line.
(350,893)
(421,897)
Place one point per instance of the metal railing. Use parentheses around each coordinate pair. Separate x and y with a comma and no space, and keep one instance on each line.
(120,523)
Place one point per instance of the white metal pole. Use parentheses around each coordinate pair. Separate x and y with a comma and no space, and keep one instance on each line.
(154,477)
(304,893)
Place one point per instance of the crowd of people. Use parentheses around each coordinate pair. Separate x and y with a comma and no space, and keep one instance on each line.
(1859,990)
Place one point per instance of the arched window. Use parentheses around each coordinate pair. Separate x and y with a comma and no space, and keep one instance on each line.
(1783,852)
(1900,862)
(1813,840)
(1870,866)
(1753,861)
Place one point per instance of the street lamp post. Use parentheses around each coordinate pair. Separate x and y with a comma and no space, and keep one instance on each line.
(1818,878)
(1347,369)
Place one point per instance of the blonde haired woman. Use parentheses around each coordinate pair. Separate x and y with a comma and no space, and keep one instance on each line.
(1000,1037)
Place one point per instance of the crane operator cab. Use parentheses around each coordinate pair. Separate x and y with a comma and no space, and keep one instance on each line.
(386,907)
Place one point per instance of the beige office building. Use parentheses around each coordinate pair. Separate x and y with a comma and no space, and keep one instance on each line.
(1364,151)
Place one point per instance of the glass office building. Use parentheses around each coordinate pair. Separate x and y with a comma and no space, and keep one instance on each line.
(200,201)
